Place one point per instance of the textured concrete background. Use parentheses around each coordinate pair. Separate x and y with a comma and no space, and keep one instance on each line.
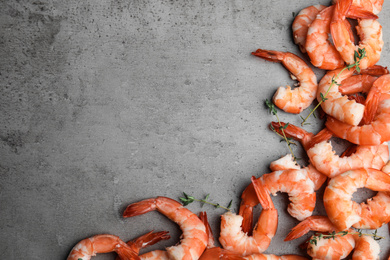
(105,103)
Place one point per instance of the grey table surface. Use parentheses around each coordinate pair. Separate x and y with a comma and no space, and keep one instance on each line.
(105,103)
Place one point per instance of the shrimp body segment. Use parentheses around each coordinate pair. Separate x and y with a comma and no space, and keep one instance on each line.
(369,31)
(105,243)
(374,6)
(302,22)
(297,99)
(341,209)
(234,239)
(194,237)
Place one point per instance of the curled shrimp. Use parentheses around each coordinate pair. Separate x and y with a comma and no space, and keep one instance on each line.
(338,247)
(369,31)
(324,158)
(374,6)
(302,22)
(104,243)
(336,104)
(377,108)
(296,100)
(194,238)
(299,183)
(234,239)
(338,203)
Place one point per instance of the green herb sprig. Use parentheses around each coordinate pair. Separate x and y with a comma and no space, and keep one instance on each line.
(187,199)
(288,140)
(332,235)
(358,56)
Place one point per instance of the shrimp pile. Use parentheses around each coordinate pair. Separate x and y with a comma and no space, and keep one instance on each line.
(354,97)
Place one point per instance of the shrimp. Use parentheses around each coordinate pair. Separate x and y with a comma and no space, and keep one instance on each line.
(104,243)
(338,203)
(378,130)
(374,6)
(337,105)
(223,254)
(324,158)
(369,31)
(296,100)
(194,238)
(302,22)
(234,239)
(340,246)
(286,177)
(323,54)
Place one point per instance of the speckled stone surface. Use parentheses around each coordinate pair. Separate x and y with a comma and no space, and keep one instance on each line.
(105,103)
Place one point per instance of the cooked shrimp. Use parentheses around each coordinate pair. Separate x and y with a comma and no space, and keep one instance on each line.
(374,6)
(296,100)
(369,31)
(338,203)
(378,130)
(302,22)
(234,239)
(324,158)
(322,52)
(337,105)
(340,246)
(105,243)
(194,238)
(223,254)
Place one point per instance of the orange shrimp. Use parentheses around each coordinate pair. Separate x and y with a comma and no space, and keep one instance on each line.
(340,246)
(296,100)
(234,239)
(324,158)
(336,104)
(378,130)
(104,243)
(322,52)
(369,31)
(338,203)
(194,238)
(302,22)
(374,6)
(223,254)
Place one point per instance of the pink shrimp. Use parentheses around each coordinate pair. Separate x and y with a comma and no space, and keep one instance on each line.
(104,243)
(302,22)
(194,239)
(374,6)
(296,100)
(369,31)
(378,130)
(234,239)
(340,246)
(338,203)
(324,158)
(322,52)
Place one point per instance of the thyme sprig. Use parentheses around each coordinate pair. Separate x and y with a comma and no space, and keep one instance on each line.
(288,140)
(187,199)
(332,235)
(358,56)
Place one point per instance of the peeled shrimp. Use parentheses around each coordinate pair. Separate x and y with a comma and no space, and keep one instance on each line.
(302,22)
(213,253)
(369,31)
(194,238)
(296,100)
(89,247)
(339,247)
(374,6)
(338,203)
(324,158)
(234,239)
(378,130)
